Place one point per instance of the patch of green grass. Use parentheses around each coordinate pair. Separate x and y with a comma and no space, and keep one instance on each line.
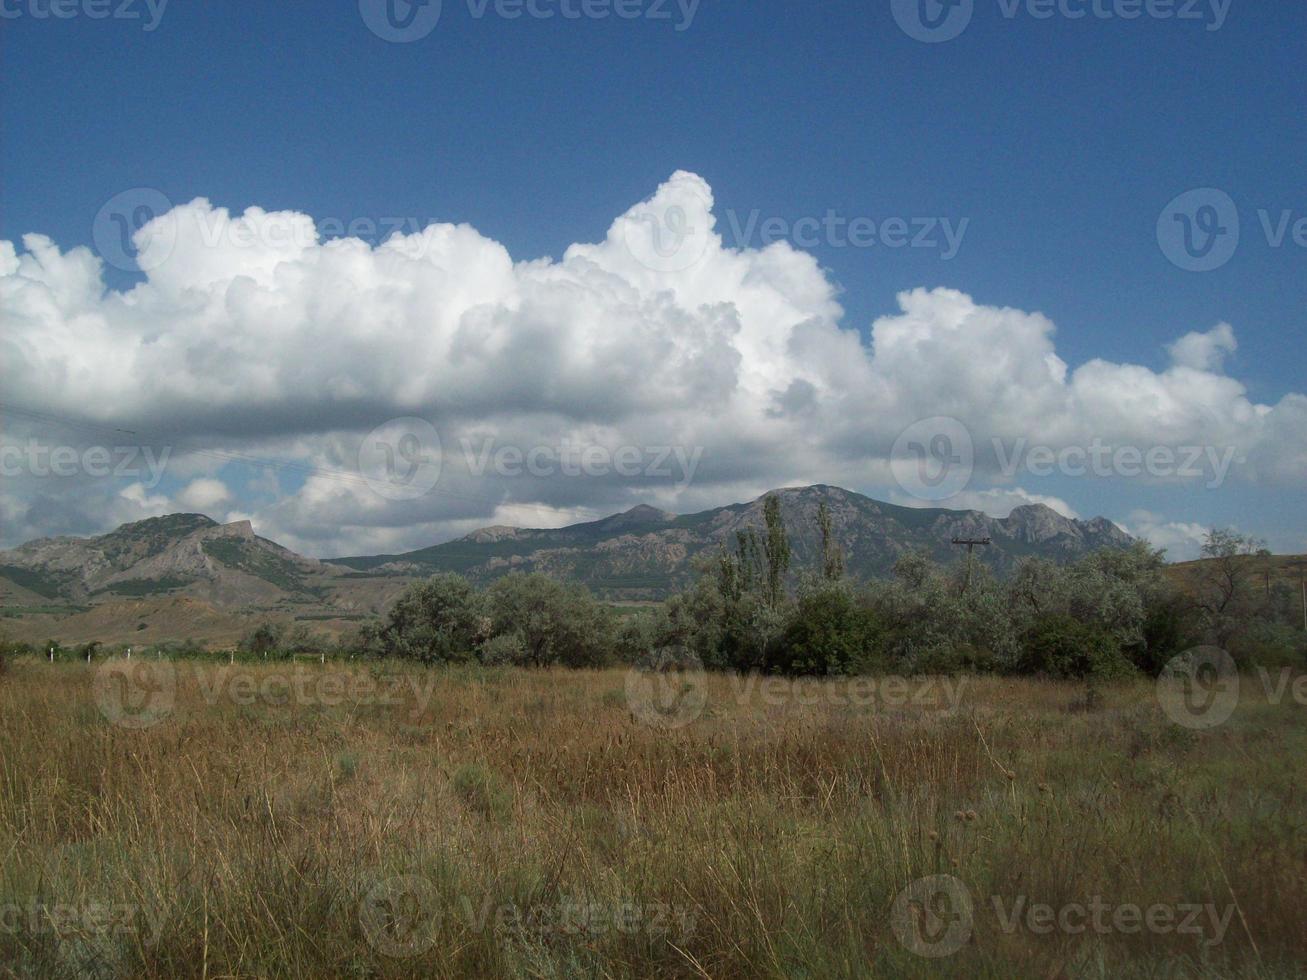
(246,557)
(482,791)
(69,609)
(147,586)
(49,585)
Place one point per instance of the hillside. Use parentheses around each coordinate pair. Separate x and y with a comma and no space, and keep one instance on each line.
(1261,576)
(182,576)
(224,563)
(186,576)
(645,553)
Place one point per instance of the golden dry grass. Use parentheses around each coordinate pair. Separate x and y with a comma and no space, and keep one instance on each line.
(527,824)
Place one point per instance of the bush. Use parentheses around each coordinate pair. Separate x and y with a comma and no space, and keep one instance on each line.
(557,623)
(830,634)
(262,640)
(636,635)
(10,649)
(1270,646)
(964,658)
(507,649)
(694,620)
(1056,645)
(482,792)
(435,621)
(1165,632)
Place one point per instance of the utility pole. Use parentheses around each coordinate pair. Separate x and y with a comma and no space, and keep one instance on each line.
(971,547)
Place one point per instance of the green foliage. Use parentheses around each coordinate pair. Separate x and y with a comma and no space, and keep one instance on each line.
(1109,614)
(735,613)
(637,634)
(47,584)
(259,562)
(776,547)
(262,639)
(482,792)
(696,618)
(830,634)
(1167,630)
(526,620)
(832,554)
(506,649)
(14,648)
(303,639)
(1227,600)
(558,623)
(147,586)
(436,621)
(88,651)
(1059,646)
(1270,646)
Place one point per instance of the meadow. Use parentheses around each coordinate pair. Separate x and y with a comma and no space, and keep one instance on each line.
(393,820)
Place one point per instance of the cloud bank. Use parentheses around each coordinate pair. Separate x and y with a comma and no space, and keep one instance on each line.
(252,337)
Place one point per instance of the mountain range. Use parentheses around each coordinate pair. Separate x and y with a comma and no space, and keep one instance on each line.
(187,576)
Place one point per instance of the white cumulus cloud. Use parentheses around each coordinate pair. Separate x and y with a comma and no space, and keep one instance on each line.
(253,333)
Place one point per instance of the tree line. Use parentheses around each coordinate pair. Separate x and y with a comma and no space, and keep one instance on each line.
(1112,613)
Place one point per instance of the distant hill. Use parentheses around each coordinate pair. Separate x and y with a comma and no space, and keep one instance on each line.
(646,553)
(183,576)
(1260,574)
(186,576)
(225,563)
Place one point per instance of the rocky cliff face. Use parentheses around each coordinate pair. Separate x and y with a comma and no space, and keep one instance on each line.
(164,554)
(645,553)
(185,575)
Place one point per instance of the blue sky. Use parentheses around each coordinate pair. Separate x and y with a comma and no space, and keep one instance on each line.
(1058,141)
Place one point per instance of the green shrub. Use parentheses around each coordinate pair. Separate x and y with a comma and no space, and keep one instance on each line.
(830,634)
(262,639)
(506,649)
(435,621)
(481,791)
(1269,645)
(1166,631)
(1056,645)
(962,658)
(636,635)
(558,623)
(10,649)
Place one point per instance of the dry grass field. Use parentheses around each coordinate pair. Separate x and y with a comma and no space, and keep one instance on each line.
(341,820)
